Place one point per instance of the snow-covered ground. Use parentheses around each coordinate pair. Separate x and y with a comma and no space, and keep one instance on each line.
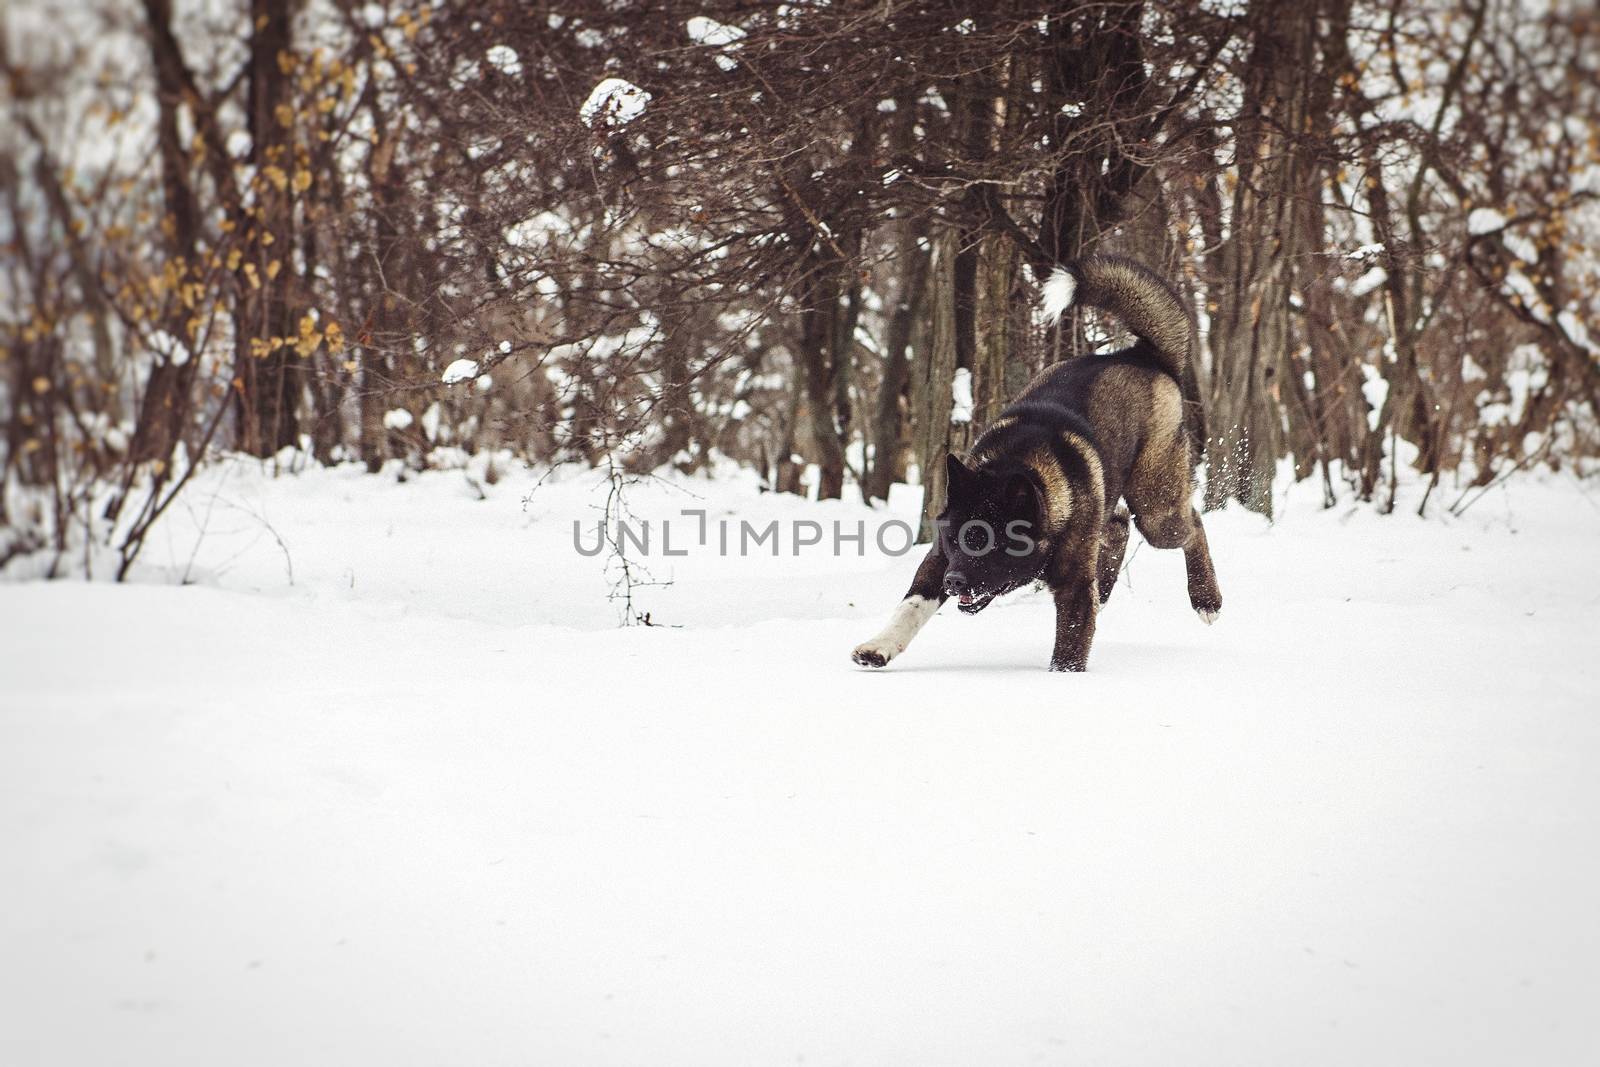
(428,805)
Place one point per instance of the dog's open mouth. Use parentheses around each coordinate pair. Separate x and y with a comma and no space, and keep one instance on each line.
(972,603)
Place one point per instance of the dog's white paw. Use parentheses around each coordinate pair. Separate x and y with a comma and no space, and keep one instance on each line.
(874,654)
(1208,617)
(908,618)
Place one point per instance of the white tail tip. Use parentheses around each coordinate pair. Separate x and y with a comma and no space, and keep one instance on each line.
(1059,290)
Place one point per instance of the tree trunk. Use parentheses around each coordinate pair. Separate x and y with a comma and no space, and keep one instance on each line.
(932,377)
(266,321)
(1252,270)
(886,463)
(827,332)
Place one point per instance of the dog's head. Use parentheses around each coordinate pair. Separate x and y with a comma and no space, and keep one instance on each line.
(990,531)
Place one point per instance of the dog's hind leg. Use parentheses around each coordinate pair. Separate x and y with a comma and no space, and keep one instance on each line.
(1160,491)
(1166,518)
(919,605)
(1204,596)
(1113,545)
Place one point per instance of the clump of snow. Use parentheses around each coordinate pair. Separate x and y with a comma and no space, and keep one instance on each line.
(459,371)
(170,346)
(1485,220)
(1520,245)
(614,102)
(709,31)
(1528,293)
(504,59)
(1369,281)
(397,418)
(961,396)
(1375,387)
(1576,330)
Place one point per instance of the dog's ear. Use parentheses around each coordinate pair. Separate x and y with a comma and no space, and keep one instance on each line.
(958,474)
(1021,497)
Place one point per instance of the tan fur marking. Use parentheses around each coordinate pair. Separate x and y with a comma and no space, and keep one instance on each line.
(982,454)
(1057,493)
(1160,475)
(1091,459)
(1166,403)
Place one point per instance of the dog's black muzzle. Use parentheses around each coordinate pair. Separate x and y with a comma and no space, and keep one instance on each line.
(967,599)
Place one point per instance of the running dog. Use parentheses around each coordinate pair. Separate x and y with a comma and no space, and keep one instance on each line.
(1038,495)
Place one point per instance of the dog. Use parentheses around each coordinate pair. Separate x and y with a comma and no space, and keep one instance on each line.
(1038,495)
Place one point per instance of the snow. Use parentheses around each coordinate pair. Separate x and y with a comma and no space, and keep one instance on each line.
(1375,388)
(614,102)
(504,59)
(961,396)
(397,418)
(427,804)
(1369,281)
(1485,220)
(459,371)
(1576,331)
(172,347)
(709,31)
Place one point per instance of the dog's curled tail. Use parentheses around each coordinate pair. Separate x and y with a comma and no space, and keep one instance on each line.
(1131,291)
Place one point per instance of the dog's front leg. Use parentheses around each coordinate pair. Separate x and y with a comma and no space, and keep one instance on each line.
(1073,582)
(919,605)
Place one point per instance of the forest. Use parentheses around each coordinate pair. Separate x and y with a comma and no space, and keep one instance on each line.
(466,467)
(801,238)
